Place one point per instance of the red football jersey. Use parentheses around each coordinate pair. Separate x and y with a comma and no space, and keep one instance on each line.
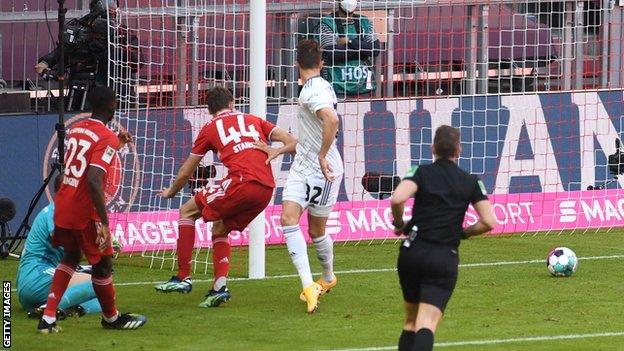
(89,143)
(231,135)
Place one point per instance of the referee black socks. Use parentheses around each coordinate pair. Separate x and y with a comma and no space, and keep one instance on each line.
(423,340)
(406,341)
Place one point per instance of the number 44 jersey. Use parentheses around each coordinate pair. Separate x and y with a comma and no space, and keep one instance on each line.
(88,143)
(232,135)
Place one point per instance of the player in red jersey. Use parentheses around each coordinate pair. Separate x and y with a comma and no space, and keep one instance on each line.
(240,140)
(80,218)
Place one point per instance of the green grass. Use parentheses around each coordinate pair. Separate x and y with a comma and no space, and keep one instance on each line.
(365,309)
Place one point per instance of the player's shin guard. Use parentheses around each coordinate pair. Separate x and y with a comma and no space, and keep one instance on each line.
(186,230)
(324,247)
(406,341)
(423,340)
(62,276)
(221,252)
(298,251)
(106,295)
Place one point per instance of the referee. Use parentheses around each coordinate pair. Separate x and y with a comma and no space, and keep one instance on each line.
(428,258)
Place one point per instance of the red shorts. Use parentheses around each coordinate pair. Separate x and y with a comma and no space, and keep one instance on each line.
(81,240)
(234,202)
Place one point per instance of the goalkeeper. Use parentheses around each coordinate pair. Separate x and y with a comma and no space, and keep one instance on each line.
(36,268)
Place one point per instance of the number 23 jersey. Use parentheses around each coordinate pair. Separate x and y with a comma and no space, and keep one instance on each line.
(232,134)
(89,143)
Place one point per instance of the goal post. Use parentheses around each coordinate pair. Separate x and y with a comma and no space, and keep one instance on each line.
(257,106)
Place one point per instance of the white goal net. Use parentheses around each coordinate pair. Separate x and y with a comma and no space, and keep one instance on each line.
(534,87)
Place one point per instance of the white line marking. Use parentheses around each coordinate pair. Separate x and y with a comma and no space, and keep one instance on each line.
(501,341)
(381,270)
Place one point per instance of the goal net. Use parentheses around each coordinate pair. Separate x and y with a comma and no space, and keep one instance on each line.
(534,87)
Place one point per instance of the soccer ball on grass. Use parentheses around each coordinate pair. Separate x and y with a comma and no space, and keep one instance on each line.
(561,262)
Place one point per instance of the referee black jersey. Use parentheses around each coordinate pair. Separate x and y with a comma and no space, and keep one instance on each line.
(444,192)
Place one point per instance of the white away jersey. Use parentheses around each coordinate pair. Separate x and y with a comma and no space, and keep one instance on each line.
(317,93)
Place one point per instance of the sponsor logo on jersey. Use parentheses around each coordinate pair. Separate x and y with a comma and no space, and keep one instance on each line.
(108,154)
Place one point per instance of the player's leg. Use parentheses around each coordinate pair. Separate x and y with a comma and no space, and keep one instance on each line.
(438,267)
(221,252)
(189,213)
(324,247)
(295,241)
(410,280)
(33,286)
(241,203)
(91,306)
(295,200)
(102,280)
(62,275)
(298,250)
(181,282)
(79,291)
(406,341)
(318,214)
(427,321)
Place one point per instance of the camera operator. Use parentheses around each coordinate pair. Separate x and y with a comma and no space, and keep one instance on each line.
(86,53)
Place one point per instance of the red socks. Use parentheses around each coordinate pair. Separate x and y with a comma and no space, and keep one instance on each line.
(186,241)
(221,261)
(62,276)
(106,295)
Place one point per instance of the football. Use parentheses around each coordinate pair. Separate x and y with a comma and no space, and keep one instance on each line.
(561,262)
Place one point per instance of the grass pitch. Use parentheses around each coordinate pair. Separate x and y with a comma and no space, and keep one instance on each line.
(502,294)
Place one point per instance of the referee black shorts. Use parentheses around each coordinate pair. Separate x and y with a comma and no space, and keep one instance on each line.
(428,272)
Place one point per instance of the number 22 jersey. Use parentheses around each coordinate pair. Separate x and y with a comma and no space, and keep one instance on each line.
(89,143)
(232,134)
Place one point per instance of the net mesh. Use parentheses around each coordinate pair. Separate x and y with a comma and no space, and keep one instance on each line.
(514,77)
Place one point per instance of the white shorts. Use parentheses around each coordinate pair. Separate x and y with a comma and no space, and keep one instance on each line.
(313,192)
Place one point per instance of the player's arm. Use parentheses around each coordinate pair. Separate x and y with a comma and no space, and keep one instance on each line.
(280,135)
(486,222)
(406,189)
(330,128)
(185,172)
(483,206)
(96,192)
(95,185)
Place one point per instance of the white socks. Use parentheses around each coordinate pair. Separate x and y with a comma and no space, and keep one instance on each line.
(219,283)
(111,319)
(324,246)
(298,253)
(48,320)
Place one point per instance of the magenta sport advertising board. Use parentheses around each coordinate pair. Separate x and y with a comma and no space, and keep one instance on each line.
(536,154)
(366,220)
